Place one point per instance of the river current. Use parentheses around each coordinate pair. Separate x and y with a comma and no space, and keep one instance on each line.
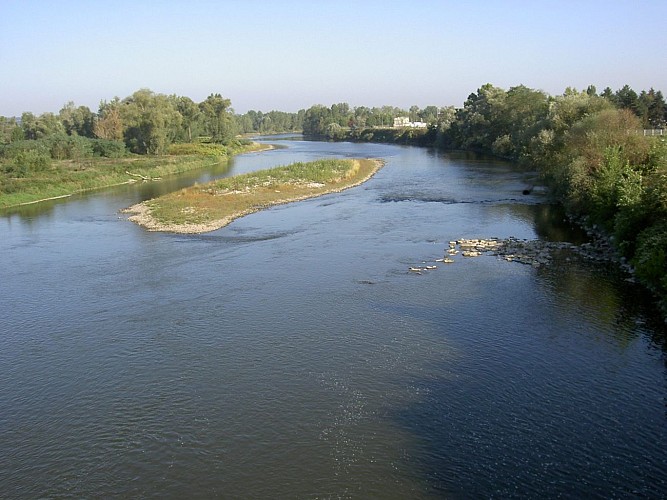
(292,354)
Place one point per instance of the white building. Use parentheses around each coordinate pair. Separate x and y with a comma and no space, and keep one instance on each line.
(404,122)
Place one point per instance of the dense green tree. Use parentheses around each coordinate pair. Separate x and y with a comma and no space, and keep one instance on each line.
(523,116)
(547,146)
(608,94)
(244,123)
(652,108)
(10,130)
(316,120)
(152,122)
(477,123)
(191,118)
(38,127)
(77,120)
(429,114)
(217,117)
(626,98)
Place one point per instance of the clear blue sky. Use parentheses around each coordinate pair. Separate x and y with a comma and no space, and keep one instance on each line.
(291,54)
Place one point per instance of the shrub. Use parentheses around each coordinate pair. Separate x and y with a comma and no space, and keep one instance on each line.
(66,147)
(650,259)
(108,148)
(27,162)
(201,149)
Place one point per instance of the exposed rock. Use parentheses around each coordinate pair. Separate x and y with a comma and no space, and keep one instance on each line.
(536,253)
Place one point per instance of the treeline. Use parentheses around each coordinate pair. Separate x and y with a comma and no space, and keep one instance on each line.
(273,122)
(340,121)
(145,123)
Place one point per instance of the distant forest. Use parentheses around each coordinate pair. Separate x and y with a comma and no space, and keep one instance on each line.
(147,122)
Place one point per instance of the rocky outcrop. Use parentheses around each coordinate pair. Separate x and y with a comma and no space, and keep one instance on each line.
(535,253)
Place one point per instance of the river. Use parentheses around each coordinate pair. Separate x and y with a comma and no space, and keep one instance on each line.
(292,354)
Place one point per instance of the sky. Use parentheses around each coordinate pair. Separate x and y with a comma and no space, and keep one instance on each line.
(291,54)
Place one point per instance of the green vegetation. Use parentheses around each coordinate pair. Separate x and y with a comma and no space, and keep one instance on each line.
(145,122)
(589,148)
(213,205)
(341,122)
(407,136)
(28,175)
(54,155)
(591,151)
(273,122)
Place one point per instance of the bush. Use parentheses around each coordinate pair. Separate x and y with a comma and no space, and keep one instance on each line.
(10,151)
(27,162)
(650,259)
(66,147)
(200,149)
(108,148)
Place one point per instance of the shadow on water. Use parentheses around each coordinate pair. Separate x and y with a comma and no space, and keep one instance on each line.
(551,223)
(555,419)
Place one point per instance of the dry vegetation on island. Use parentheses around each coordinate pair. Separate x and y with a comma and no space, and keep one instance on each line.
(210,206)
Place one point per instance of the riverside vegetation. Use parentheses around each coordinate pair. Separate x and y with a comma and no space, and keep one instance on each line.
(144,136)
(30,176)
(587,147)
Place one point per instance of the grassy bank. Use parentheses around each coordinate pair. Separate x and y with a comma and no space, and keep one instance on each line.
(213,205)
(61,178)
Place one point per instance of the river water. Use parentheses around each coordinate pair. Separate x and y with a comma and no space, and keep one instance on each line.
(292,354)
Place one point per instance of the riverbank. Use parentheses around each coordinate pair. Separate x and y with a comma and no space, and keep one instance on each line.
(68,177)
(207,207)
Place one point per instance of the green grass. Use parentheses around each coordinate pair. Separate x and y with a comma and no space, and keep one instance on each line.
(68,177)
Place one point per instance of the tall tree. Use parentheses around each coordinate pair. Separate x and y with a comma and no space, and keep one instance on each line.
(109,123)
(39,127)
(218,118)
(77,120)
(626,98)
(191,118)
(152,122)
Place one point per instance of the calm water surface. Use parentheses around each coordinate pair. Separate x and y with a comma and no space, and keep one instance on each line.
(292,354)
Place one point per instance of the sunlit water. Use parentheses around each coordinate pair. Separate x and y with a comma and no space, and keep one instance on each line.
(293,355)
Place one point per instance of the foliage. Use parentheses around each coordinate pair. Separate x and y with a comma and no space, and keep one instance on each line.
(27,162)
(77,120)
(217,117)
(65,147)
(28,175)
(650,259)
(341,122)
(151,121)
(108,148)
(272,122)
(198,148)
(408,136)
(108,124)
(586,147)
